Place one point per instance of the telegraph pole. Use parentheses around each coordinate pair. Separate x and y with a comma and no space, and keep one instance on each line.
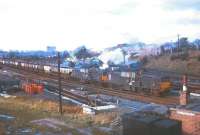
(178,42)
(59,86)
(171,51)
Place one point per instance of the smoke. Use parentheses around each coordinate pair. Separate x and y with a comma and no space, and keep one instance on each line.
(115,56)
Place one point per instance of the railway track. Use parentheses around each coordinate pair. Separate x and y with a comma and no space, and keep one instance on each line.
(173,75)
(193,81)
(112,92)
(53,87)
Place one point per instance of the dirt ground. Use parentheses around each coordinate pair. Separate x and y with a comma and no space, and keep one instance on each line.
(36,116)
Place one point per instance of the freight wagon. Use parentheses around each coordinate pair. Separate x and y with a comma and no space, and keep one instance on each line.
(32,88)
(120,78)
(154,85)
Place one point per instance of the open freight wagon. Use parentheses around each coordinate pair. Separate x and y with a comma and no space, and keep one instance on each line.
(32,87)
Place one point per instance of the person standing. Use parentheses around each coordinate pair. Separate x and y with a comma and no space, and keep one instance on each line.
(131,83)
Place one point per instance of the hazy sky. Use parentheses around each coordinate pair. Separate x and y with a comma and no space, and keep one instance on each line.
(67,24)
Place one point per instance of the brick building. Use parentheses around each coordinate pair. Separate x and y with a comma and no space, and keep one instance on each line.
(188,112)
(189,115)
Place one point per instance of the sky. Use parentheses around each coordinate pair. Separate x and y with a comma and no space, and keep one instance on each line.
(97,24)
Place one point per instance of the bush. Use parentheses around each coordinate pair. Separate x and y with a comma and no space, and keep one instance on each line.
(182,56)
(144,60)
(173,57)
(198,58)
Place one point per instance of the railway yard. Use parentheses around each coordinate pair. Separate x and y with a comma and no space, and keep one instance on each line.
(51,80)
(117,67)
(104,101)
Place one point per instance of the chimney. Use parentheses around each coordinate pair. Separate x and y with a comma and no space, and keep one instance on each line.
(184,93)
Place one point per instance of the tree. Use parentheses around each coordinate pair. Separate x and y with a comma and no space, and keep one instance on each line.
(144,60)
(95,62)
(13,54)
(110,63)
(162,48)
(184,44)
(124,55)
(82,53)
(65,54)
(196,42)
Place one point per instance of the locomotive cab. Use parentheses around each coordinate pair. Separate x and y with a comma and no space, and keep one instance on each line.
(104,79)
(164,86)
